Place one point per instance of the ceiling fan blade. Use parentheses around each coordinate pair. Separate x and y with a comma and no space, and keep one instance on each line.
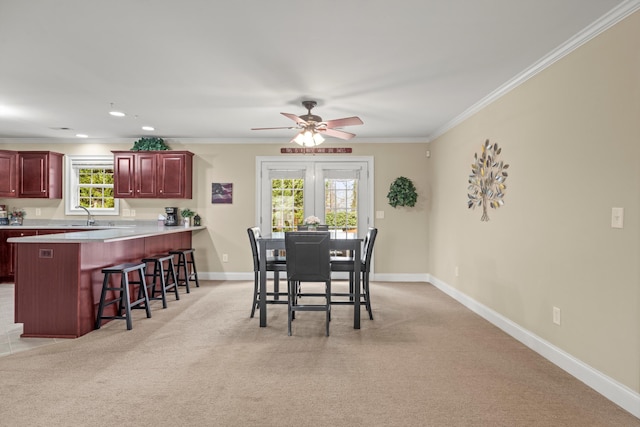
(295,118)
(285,127)
(347,121)
(336,133)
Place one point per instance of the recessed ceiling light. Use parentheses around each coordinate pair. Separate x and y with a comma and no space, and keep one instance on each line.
(81,135)
(115,112)
(148,128)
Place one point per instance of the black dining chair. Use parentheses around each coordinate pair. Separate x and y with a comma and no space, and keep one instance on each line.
(308,260)
(273,264)
(319,227)
(345,263)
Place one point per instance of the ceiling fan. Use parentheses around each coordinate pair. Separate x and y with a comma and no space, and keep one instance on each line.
(312,127)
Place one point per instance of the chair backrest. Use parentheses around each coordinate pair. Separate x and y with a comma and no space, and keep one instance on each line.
(367,250)
(319,227)
(308,256)
(254,234)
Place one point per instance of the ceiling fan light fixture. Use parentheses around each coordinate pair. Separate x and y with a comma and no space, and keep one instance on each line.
(308,138)
(311,126)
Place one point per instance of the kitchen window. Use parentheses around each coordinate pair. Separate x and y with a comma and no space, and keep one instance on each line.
(90,185)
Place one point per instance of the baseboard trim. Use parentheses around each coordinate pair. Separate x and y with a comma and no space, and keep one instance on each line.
(618,393)
(418,277)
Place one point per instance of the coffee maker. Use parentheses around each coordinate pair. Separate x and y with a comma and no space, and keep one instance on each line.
(171,217)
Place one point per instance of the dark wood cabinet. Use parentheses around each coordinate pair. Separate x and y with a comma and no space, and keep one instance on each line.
(8,173)
(153,174)
(123,175)
(7,252)
(31,174)
(175,170)
(40,174)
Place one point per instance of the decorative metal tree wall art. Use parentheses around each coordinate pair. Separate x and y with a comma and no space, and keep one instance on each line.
(486,182)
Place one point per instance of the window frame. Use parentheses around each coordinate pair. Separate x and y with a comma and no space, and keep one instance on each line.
(310,168)
(73,164)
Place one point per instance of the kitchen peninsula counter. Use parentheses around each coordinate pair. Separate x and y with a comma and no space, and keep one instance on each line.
(58,277)
(100,234)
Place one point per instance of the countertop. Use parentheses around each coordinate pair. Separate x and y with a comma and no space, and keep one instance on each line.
(97,233)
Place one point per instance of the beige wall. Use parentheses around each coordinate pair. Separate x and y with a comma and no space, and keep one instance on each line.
(401,246)
(571,137)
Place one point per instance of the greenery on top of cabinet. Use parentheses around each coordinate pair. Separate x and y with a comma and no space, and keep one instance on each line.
(150,144)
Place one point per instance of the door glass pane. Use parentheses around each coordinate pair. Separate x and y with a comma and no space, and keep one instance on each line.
(287,205)
(341,206)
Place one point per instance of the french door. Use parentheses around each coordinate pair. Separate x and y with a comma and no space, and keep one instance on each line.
(338,191)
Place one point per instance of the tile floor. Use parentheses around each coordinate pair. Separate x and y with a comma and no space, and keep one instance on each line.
(10,340)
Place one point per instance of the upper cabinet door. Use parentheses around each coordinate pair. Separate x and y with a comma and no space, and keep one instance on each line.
(174,175)
(146,170)
(124,175)
(8,173)
(40,174)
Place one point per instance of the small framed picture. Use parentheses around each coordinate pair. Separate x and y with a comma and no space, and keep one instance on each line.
(222,192)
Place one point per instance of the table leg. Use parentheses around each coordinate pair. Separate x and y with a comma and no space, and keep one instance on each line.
(263,285)
(356,291)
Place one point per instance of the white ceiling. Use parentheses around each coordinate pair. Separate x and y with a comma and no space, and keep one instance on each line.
(214,69)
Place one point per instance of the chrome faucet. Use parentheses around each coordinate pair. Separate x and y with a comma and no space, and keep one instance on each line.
(90,220)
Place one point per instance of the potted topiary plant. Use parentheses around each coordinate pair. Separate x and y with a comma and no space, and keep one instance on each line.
(402,192)
(150,144)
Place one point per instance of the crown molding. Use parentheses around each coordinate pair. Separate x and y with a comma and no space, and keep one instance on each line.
(602,24)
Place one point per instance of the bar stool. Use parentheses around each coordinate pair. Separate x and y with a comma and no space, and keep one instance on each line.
(123,297)
(186,267)
(166,277)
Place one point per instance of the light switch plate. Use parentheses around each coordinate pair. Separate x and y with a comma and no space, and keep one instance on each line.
(379,214)
(617,217)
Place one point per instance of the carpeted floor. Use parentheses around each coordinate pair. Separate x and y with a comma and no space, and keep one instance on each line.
(424,361)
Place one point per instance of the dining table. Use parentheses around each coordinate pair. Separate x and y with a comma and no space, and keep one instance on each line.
(267,244)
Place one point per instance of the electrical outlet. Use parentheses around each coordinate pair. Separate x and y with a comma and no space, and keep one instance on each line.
(126,212)
(225,258)
(133,212)
(38,212)
(556,315)
(457,271)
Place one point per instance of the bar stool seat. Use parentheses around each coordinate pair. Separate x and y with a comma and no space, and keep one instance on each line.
(122,294)
(186,267)
(164,279)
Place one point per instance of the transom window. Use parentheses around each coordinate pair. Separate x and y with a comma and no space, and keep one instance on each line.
(90,185)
